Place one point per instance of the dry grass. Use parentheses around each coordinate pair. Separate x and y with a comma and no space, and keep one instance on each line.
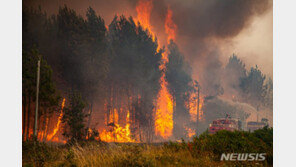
(108,155)
(204,150)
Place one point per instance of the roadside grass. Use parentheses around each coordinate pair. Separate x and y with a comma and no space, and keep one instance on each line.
(204,150)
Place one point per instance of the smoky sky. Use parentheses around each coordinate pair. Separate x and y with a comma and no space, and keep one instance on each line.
(194,18)
(202,25)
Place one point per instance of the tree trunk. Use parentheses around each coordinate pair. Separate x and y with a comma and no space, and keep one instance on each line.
(28,119)
(89,118)
(198,109)
(24,116)
(46,129)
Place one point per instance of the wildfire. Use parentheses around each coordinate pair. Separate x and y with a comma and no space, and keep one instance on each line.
(194,111)
(170,26)
(200,114)
(56,129)
(143,9)
(164,110)
(117,133)
(193,107)
(190,132)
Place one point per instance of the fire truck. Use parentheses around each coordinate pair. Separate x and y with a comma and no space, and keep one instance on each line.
(228,123)
(252,125)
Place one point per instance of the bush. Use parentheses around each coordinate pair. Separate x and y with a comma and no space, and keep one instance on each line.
(259,141)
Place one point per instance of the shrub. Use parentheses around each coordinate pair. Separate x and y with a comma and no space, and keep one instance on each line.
(259,141)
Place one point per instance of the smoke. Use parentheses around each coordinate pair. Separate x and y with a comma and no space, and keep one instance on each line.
(217,107)
(203,26)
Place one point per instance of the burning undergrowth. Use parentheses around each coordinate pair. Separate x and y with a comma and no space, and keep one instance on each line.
(136,82)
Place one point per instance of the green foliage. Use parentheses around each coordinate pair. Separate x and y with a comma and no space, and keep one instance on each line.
(74,118)
(48,95)
(259,141)
(47,90)
(269,94)
(253,87)
(38,154)
(204,150)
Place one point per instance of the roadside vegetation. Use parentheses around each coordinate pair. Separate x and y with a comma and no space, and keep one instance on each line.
(204,150)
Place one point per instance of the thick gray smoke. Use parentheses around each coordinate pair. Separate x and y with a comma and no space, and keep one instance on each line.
(203,25)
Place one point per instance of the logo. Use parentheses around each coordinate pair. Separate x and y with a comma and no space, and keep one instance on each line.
(243,156)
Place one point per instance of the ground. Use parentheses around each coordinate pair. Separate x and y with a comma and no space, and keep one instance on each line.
(204,150)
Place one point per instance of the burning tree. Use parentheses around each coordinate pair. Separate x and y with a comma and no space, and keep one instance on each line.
(178,75)
(136,89)
(134,74)
(48,94)
(74,118)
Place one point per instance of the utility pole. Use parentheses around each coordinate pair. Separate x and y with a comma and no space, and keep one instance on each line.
(37,96)
(198,101)
(257,113)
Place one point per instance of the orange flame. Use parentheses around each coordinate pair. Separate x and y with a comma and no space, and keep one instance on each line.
(201,114)
(118,133)
(164,111)
(193,107)
(164,108)
(56,129)
(190,132)
(143,9)
(170,26)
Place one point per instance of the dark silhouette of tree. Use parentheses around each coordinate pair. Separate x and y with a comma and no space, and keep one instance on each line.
(178,75)
(234,73)
(48,96)
(134,70)
(235,70)
(74,118)
(253,87)
(269,94)
(95,60)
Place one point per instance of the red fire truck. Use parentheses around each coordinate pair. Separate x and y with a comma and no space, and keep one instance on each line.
(227,123)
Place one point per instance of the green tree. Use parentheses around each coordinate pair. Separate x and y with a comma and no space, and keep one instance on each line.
(253,87)
(234,72)
(269,94)
(74,118)
(48,96)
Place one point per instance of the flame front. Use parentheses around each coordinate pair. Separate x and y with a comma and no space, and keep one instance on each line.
(117,133)
(143,9)
(56,129)
(164,108)
(190,132)
(164,111)
(194,111)
(170,26)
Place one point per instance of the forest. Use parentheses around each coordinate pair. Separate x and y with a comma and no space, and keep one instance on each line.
(116,95)
(117,83)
